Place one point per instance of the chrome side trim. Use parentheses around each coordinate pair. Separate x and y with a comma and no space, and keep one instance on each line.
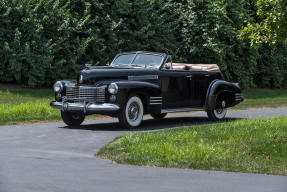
(142,77)
(175,110)
(90,107)
(155,101)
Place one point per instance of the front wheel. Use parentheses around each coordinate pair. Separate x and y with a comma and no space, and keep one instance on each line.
(72,118)
(132,113)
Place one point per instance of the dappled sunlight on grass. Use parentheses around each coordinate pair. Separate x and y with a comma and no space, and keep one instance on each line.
(257,146)
(26,112)
(17,105)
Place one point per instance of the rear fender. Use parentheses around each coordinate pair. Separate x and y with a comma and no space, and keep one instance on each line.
(220,88)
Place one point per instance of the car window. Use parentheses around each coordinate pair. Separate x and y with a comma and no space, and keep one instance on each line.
(149,60)
(139,60)
(124,59)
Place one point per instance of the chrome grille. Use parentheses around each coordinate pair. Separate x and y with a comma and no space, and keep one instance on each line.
(85,94)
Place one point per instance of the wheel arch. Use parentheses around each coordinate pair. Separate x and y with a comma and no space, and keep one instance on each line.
(220,88)
(144,90)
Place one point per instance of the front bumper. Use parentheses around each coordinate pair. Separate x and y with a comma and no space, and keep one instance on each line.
(85,107)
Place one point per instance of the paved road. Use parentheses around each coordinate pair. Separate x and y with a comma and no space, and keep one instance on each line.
(53,158)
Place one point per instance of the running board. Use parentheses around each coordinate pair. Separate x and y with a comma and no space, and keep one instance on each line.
(175,110)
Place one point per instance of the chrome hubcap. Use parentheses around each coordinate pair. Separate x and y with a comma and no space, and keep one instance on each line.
(223,105)
(219,111)
(133,111)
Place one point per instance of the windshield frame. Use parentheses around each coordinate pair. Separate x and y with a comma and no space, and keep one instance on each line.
(130,65)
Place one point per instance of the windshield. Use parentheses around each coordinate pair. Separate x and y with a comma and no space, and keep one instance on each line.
(140,60)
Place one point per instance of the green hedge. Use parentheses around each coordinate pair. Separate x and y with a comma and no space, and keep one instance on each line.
(43,41)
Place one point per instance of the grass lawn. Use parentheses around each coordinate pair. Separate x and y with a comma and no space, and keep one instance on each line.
(19,105)
(263,98)
(22,105)
(252,146)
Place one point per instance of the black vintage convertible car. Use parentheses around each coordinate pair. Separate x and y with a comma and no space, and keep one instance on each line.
(138,83)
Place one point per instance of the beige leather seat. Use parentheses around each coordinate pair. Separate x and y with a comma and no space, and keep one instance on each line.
(179,67)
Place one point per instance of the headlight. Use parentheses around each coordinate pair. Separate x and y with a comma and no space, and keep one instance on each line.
(58,86)
(113,88)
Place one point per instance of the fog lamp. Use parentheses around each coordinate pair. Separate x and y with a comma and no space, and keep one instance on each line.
(113,98)
(58,97)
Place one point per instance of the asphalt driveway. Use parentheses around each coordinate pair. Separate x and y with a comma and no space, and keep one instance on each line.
(51,157)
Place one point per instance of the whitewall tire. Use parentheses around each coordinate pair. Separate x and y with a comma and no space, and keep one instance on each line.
(218,114)
(131,115)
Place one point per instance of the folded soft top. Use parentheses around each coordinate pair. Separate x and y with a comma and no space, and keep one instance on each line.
(196,67)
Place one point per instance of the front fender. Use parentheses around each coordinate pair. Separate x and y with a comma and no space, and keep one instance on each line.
(139,86)
(220,87)
(145,90)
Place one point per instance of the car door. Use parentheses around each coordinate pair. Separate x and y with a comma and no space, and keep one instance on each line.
(198,86)
(176,88)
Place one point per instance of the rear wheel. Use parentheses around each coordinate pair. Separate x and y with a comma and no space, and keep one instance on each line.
(219,113)
(132,113)
(73,118)
(158,116)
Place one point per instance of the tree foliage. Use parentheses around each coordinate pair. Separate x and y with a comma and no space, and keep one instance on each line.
(45,40)
(272,24)
(210,35)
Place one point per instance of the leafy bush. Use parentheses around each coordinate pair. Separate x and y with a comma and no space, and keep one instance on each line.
(43,41)
(210,35)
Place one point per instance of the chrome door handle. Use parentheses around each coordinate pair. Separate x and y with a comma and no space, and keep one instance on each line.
(189,76)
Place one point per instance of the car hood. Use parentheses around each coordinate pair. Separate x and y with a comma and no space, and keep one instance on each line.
(94,75)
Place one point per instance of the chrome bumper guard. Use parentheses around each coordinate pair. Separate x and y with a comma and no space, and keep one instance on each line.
(88,107)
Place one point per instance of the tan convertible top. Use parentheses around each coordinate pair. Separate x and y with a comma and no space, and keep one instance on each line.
(196,67)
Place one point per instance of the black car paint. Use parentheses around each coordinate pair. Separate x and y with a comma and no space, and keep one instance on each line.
(179,89)
(220,87)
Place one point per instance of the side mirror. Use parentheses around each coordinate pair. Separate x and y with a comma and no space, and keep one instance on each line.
(107,64)
(167,66)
